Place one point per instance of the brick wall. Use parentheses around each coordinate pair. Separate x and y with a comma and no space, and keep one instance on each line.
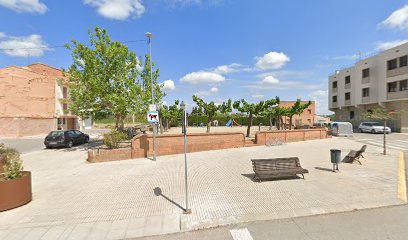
(142,145)
(106,155)
(271,137)
(19,127)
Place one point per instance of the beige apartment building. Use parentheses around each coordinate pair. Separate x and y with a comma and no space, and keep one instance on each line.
(34,101)
(380,80)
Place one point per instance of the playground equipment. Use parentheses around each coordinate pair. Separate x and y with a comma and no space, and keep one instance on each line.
(232,121)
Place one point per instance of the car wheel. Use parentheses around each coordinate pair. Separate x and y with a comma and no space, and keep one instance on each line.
(70,144)
(47,147)
(360,130)
(86,140)
(373,131)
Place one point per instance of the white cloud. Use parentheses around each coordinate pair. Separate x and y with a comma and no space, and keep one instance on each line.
(202,77)
(321,101)
(272,60)
(210,92)
(231,68)
(381,46)
(270,80)
(2,35)
(31,45)
(117,9)
(258,96)
(319,93)
(168,85)
(30,6)
(397,20)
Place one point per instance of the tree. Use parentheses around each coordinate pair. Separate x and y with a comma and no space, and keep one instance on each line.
(210,109)
(253,109)
(103,76)
(297,109)
(279,113)
(170,113)
(380,113)
(226,107)
(147,85)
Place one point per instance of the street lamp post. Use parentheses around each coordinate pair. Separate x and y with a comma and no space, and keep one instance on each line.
(149,35)
(183,107)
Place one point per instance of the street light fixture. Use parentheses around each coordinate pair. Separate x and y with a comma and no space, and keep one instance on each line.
(149,35)
(184,126)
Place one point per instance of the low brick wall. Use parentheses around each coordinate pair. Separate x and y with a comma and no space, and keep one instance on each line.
(142,145)
(107,155)
(272,137)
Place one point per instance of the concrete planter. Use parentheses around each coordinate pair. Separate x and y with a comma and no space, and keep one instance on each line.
(15,192)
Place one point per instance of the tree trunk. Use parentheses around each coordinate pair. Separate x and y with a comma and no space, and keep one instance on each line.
(250,125)
(290,122)
(385,139)
(167,125)
(120,124)
(270,121)
(209,124)
(161,127)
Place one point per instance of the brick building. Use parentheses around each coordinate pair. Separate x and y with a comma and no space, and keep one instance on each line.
(33,101)
(306,118)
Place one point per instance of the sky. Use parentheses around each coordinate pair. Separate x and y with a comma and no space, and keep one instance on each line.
(216,49)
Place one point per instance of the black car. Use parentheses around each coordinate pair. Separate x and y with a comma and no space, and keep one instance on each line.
(67,138)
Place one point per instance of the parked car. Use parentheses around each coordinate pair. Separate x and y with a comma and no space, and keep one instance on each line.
(66,138)
(373,127)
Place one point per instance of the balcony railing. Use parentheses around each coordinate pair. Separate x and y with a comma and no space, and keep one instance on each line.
(334,105)
(347,102)
(334,90)
(365,99)
(347,86)
(397,71)
(365,80)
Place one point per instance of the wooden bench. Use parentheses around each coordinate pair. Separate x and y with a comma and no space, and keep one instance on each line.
(277,167)
(355,155)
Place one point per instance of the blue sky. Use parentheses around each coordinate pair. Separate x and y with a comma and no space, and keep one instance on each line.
(218,49)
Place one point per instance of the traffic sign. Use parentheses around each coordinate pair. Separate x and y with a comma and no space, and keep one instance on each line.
(152,108)
(153,117)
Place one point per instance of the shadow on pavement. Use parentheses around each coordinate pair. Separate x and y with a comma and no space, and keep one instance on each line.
(81,147)
(324,169)
(158,192)
(251,177)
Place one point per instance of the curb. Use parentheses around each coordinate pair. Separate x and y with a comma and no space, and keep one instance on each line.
(402,177)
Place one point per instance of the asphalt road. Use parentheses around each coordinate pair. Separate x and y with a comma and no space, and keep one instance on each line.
(395,141)
(372,224)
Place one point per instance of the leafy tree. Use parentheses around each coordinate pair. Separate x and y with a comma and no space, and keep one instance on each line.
(103,76)
(253,109)
(147,84)
(210,109)
(382,114)
(226,107)
(297,109)
(279,113)
(170,113)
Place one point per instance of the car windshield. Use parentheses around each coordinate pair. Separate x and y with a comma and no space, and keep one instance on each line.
(376,124)
(56,134)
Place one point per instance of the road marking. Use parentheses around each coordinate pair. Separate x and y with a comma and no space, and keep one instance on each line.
(388,145)
(241,234)
(402,184)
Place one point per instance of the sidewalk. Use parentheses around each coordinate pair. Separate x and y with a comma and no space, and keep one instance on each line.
(77,200)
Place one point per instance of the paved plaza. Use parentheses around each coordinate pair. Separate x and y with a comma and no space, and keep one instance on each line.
(73,199)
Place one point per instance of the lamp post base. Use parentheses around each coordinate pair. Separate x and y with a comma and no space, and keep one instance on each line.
(187,211)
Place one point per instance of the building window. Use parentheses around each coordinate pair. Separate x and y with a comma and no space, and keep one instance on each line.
(335,84)
(403,61)
(403,85)
(334,98)
(347,96)
(392,87)
(392,64)
(366,92)
(309,111)
(348,79)
(64,92)
(351,115)
(366,72)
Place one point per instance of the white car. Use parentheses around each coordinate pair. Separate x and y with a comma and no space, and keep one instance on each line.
(373,127)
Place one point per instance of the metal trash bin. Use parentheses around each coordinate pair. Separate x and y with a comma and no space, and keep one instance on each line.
(335,157)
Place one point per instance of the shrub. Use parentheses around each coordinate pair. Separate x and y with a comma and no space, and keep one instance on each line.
(113,139)
(13,164)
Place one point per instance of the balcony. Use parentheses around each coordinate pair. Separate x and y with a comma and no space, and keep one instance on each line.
(334,105)
(347,102)
(365,99)
(397,71)
(347,86)
(397,95)
(334,90)
(365,80)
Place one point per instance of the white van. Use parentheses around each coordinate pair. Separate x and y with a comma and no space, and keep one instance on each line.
(343,129)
